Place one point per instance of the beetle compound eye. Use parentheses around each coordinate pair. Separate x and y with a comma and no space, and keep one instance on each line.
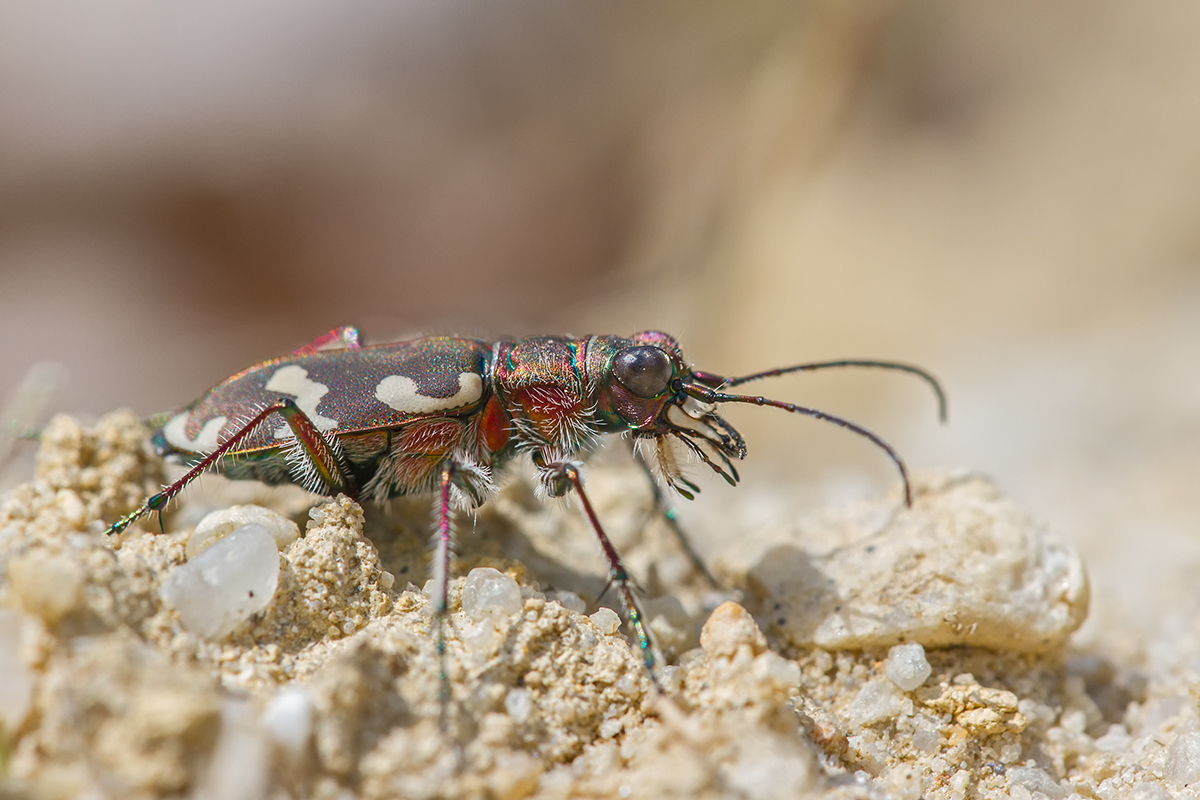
(645,371)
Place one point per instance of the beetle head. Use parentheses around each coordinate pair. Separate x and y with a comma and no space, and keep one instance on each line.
(648,389)
(645,392)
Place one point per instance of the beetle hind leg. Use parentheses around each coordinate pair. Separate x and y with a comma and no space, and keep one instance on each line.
(325,460)
(443,554)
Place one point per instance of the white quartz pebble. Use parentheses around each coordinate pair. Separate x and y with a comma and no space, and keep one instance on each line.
(240,766)
(606,620)
(568,600)
(219,524)
(226,584)
(1183,759)
(288,720)
(489,592)
(907,666)
(875,702)
(1036,780)
(519,704)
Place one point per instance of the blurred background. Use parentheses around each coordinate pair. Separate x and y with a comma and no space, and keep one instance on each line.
(1008,194)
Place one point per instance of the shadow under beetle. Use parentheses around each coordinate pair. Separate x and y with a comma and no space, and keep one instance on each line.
(440,414)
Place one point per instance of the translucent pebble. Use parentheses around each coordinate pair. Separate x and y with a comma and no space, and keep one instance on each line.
(1183,759)
(480,637)
(775,670)
(926,741)
(1146,790)
(519,704)
(875,702)
(1115,741)
(1036,780)
(767,768)
(16,682)
(240,765)
(490,592)
(907,666)
(219,524)
(1010,753)
(1074,720)
(610,728)
(1159,711)
(670,678)
(568,600)
(288,720)
(606,620)
(226,584)
(627,685)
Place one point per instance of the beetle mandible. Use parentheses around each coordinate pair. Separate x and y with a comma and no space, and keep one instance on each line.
(440,414)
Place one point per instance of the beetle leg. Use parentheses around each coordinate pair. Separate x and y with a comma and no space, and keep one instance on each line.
(324,460)
(668,512)
(443,553)
(470,481)
(618,575)
(345,337)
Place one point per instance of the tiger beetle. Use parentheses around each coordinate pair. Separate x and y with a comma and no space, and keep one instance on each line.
(440,414)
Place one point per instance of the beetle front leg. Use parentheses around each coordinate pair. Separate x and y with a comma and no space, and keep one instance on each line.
(567,473)
(325,461)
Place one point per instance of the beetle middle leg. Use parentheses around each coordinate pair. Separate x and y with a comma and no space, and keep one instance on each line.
(474,483)
(443,552)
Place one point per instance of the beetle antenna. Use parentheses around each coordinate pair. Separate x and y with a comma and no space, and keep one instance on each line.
(712,396)
(716,381)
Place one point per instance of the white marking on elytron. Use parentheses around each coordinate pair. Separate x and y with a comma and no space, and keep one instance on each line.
(294,380)
(402,394)
(175,432)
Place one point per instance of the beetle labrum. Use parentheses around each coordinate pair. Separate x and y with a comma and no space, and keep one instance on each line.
(439,414)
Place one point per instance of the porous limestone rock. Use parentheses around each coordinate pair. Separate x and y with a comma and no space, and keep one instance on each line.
(963,566)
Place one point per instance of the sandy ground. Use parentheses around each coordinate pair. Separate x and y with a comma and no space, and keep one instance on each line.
(876,651)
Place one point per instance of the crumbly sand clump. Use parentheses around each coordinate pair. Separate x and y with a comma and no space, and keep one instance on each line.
(875,652)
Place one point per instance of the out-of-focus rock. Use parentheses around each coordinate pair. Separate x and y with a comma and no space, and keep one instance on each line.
(963,566)
(16,680)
